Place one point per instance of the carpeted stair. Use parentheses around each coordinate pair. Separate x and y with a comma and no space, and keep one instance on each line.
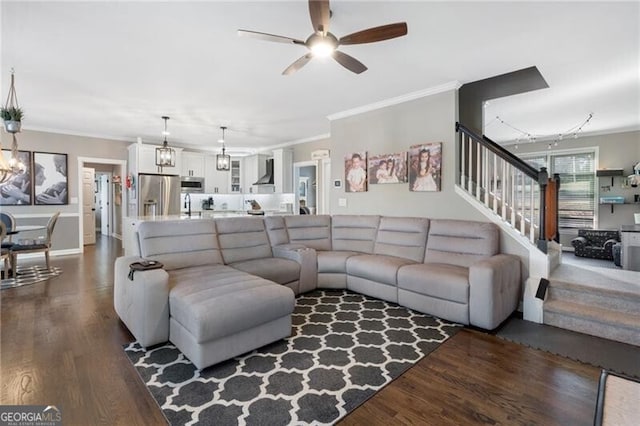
(593,303)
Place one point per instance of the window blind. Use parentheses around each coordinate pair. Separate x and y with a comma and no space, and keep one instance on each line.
(577,203)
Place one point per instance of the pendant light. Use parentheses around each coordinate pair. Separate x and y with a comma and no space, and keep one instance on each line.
(165,156)
(223,161)
(12,117)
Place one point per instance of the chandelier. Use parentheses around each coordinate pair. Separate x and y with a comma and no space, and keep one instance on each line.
(12,117)
(165,156)
(223,161)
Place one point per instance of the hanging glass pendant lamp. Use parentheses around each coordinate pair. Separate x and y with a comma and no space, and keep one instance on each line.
(223,161)
(165,156)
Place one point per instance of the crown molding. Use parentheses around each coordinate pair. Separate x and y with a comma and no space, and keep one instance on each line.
(452,85)
(295,142)
(74,133)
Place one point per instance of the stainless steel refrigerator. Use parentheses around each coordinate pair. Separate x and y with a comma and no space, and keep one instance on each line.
(158,195)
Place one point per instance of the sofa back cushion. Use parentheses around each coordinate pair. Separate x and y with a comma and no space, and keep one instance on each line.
(243,238)
(354,233)
(402,237)
(460,242)
(310,230)
(180,243)
(276,230)
(598,237)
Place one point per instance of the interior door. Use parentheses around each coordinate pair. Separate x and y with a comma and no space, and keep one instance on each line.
(105,204)
(88,206)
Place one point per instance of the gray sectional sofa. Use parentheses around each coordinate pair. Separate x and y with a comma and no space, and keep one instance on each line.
(228,285)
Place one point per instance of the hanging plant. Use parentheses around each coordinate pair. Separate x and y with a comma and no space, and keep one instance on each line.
(11,112)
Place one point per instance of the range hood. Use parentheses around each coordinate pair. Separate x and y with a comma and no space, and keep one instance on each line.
(267,179)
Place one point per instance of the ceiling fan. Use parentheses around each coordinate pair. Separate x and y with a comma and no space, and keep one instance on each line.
(322,43)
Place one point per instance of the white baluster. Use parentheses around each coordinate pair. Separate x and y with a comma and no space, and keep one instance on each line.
(522,205)
(533,214)
(503,191)
(495,183)
(485,175)
(463,157)
(478,169)
(512,200)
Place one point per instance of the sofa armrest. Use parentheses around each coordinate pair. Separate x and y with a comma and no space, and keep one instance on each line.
(307,259)
(494,290)
(142,304)
(608,245)
(579,242)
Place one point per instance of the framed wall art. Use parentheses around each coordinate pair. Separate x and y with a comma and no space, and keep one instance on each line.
(18,190)
(50,178)
(355,172)
(387,168)
(425,163)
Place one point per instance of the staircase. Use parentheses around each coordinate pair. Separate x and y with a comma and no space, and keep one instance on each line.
(593,303)
(523,202)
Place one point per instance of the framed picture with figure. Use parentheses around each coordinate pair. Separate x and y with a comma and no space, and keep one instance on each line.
(50,178)
(18,189)
(425,164)
(355,172)
(387,168)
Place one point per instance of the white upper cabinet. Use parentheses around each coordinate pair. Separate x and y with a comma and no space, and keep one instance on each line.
(215,181)
(142,159)
(193,164)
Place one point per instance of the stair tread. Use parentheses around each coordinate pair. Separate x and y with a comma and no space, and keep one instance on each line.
(601,315)
(575,278)
(613,292)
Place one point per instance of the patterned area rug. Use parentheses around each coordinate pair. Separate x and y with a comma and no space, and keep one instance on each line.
(344,348)
(30,275)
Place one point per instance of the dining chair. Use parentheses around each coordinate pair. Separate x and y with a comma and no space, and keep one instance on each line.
(4,252)
(9,223)
(36,247)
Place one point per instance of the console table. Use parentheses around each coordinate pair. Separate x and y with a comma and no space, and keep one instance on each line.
(630,238)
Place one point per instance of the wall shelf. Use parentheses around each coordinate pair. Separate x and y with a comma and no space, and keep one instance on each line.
(617,204)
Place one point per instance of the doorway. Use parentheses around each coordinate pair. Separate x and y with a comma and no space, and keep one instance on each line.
(101,198)
(305,175)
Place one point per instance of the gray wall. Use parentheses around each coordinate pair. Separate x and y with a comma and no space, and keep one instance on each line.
(66,233)
(617,150)
(394,129)
(302,152)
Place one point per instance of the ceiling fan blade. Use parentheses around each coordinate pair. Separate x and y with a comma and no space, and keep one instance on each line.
(384,32)
(301,62)
(320,14)
(269,37)
(349,62)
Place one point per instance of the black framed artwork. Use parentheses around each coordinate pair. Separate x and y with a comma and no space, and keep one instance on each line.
(18,189)
(50,178)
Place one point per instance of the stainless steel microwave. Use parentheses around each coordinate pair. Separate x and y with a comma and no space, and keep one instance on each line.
(191,184)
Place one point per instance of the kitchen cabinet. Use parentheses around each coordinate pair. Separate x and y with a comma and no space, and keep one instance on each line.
(283,170)
(236,175)
(193,164)
(254,167)
(142,159)
(215,181)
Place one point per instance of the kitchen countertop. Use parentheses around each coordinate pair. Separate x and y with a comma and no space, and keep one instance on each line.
(204,214)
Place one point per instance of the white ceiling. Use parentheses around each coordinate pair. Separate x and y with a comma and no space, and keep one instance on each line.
(112,69)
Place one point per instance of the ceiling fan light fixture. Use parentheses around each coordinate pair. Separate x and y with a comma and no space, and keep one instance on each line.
(322,49)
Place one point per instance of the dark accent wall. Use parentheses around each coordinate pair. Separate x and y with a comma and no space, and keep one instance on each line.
(472,95)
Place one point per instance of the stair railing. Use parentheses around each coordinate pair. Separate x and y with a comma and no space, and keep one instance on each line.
(514,190)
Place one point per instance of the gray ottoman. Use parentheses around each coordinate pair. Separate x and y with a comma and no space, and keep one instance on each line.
(225,312)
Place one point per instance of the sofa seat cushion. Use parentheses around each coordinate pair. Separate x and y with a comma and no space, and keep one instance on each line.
(281,271)
(217,301)
(334,261)
(376,267)
(447,282)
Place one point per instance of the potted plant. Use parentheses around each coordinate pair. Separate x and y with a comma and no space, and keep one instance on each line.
(12,117)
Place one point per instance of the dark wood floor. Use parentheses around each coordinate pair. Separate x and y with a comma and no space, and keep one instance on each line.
(61,344)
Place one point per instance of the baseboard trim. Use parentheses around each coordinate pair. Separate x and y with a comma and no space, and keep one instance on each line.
(52,253)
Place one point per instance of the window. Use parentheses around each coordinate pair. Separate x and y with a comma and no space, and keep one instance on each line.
(577,199)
